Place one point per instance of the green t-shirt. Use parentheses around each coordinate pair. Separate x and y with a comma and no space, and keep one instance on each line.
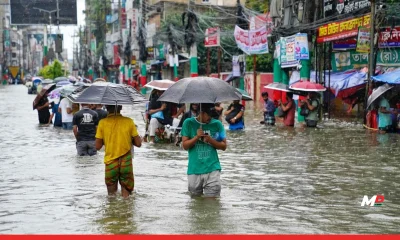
(313,115)
(203,158)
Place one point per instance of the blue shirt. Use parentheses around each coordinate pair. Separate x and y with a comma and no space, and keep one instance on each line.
(385,119)
(270,107)
(57,115)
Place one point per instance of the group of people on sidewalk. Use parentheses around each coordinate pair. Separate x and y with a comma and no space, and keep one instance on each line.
(287,110)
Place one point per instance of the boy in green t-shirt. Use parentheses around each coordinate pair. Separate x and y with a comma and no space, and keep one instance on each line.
(202,136)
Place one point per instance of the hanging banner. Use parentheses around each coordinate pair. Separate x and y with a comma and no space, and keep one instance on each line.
(212,37)
(287,49)
(253,41)
(342,30)
(389,37)
(301,47)
(261,20)
(363,40)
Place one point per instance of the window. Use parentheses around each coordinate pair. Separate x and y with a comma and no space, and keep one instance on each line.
(14,55)
(13,44)
(206,1)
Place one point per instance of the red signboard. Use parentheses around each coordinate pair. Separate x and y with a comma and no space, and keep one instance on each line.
(389,37)
(342,30)
(212,37)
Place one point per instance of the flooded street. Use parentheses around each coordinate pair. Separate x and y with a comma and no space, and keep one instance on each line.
(274,180)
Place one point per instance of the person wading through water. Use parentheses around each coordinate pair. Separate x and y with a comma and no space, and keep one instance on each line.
(202,136)
(118,133)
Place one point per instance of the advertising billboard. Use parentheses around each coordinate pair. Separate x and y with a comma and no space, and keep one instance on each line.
(31,12)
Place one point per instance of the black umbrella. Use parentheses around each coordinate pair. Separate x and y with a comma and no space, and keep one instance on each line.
(200,90)
(109,94)
(45,90)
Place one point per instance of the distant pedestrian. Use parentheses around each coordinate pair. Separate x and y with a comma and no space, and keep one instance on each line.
(101,113)
(290,109)
(43,109)
(55,114)
(269,110)
(311,106)
(118,133)
(65,108)
(234,115)
(84,126)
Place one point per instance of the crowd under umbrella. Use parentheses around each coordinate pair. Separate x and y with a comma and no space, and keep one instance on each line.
(200,90)
(46,89)
(109,94)
(377,92)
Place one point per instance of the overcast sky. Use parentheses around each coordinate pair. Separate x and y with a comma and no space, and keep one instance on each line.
(70,30)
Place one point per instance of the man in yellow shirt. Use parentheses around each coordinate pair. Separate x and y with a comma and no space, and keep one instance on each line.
(118,133)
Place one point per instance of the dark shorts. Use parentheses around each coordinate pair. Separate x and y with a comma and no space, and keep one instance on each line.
(121,170)
(86,148)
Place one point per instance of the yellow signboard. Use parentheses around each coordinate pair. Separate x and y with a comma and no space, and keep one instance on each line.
(14,71)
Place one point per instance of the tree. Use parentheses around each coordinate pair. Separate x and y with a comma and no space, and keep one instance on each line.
(52,71)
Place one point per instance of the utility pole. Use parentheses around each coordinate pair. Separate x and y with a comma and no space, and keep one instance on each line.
(194,72)
(121,44)
(142,47)
(371,57)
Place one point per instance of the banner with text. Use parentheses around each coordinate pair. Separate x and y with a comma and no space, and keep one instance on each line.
(212,37)
(253,41)
(363,40)
(389,37)
(342,30)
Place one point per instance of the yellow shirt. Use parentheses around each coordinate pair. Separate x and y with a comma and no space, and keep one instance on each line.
(117,133)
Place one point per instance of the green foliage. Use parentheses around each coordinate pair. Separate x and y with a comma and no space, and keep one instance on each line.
(260,6)
(264,63)
(52,71)
(96,14)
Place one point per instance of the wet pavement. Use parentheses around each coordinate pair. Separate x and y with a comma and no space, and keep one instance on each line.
(274,180)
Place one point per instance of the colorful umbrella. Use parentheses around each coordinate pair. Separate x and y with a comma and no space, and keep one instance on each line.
(307,87)
(160,84)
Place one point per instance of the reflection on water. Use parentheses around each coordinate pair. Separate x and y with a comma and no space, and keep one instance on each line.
(275,180)
(117,216)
